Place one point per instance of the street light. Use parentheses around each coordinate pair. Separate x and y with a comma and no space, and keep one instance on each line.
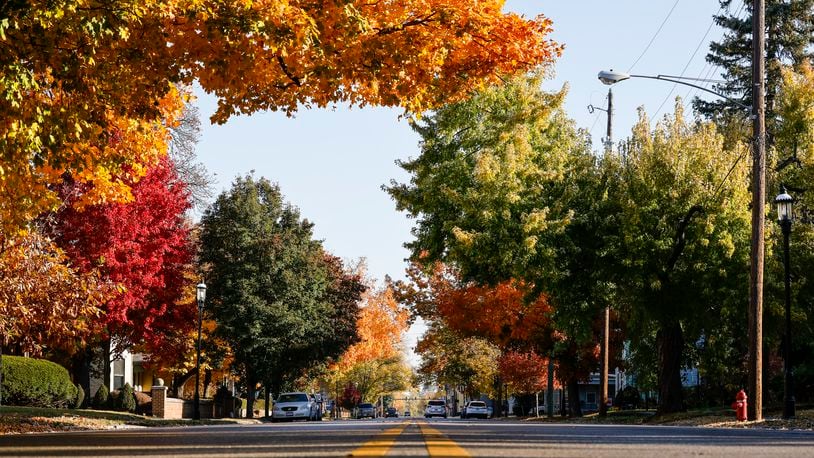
(201,296)
(610,77)
(784,216)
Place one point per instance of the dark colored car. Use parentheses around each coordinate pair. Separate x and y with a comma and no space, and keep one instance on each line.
(391,412)
(366,410)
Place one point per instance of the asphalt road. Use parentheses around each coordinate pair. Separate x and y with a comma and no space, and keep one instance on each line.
(415,437)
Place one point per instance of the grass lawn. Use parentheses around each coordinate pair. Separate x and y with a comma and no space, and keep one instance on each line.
(711,417)
(35,419)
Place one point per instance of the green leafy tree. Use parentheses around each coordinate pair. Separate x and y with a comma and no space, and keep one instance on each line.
(683,247)
(484,192)
(269,283)
(507,188)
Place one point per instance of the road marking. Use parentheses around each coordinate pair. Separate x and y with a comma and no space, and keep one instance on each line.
(381,444)
(439,445)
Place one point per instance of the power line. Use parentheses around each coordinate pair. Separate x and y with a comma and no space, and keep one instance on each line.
(653,39)
(714,68)
(697,48)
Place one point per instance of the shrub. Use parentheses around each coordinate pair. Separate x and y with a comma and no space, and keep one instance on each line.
(36,383)
(80,397)
(101,399)
(144,403)
(628,398)
(126,400)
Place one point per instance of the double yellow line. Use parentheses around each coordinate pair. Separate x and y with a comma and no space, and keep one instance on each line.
(438,445)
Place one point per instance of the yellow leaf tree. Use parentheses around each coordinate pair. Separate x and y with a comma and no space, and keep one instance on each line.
(80,78)
(44,304)
(375,365)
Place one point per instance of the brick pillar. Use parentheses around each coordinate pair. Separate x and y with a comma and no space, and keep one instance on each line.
(159,394)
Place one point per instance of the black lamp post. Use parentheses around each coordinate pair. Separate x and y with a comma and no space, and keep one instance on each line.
(201,296)
(784,215)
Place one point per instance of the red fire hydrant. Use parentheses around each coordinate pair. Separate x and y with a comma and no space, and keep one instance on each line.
(740,405)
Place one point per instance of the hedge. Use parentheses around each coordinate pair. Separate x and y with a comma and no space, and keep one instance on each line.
(36,383)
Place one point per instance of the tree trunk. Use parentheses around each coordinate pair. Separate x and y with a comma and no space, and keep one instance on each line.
(251,384)
(106,364)
(80,368)
(670,342)
(206,381)
(573,398)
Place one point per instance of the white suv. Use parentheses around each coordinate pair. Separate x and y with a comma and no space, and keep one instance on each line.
(436,408)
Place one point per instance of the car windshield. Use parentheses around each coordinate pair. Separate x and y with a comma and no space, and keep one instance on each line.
(437,403)
(365,406)
(293,397)
(477,404)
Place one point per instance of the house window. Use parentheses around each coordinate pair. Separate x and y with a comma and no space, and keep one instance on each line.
(138,376)
(118,373)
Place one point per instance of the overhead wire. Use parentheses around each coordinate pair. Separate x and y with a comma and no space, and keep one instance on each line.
(653,39)
(709,72)
(686,66)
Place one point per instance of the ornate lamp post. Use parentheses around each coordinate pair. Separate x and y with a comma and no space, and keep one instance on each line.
(201,296)
(784,215)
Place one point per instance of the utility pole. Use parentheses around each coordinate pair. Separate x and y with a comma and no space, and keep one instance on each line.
(755,387)
(605,341)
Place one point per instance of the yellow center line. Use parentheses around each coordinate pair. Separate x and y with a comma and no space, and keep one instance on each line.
(381,444)
(439,445)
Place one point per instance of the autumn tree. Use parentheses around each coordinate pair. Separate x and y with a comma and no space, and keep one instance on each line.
(78,77)
(375,364)
(47,306)
(794,169)
(684,245)
(507,192)
(143,248)
(447,358)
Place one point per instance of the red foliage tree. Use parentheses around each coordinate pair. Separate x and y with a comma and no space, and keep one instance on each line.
(507,313)
(527,372)
(144,247)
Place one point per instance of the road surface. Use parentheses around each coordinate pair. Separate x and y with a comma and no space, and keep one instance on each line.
(415,438)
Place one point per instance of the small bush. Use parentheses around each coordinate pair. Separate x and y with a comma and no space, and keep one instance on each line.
(101,400)
(36,383)
(144,403)
(80,397)
(126,401)
(628,398)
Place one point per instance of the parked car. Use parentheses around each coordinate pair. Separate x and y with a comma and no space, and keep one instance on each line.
(406,413)
(391,412)
(436,408)
(475,409)
(366,410)
(294,406)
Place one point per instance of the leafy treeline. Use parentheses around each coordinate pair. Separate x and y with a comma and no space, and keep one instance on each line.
(507,192)
(97,170)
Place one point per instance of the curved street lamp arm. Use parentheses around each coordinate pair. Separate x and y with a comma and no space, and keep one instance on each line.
(678,81)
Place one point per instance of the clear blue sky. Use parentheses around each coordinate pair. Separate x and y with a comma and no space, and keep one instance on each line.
(332,163)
